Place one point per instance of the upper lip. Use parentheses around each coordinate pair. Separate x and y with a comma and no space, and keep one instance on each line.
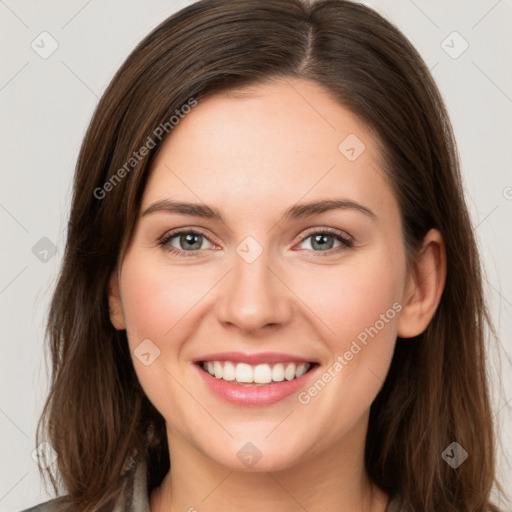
(253,359)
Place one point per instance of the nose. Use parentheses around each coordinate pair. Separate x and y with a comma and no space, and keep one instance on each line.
(254,296)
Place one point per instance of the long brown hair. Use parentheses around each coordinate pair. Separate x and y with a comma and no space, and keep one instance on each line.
(97,415)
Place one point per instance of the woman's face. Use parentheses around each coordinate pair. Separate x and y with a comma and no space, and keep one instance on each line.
(271,285)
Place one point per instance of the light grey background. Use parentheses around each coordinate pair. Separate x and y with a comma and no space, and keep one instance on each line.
(46,104)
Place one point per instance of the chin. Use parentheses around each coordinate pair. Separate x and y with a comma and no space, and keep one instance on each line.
(259,455)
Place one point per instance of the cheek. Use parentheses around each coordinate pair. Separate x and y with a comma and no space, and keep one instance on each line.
(351,299)
(358,306)
(363,321)
(156,299)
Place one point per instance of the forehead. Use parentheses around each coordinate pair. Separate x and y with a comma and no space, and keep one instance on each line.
(268,145)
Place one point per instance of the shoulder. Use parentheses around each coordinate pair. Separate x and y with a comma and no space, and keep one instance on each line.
(53,505)
(396,504)
(133,495)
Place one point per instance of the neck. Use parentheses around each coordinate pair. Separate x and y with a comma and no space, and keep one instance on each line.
(332,480)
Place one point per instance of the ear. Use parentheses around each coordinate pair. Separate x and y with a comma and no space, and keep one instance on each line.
(424,286)
(114,302)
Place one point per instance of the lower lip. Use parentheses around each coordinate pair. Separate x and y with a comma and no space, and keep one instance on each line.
(244,394)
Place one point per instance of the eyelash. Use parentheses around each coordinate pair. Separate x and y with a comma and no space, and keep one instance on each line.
(346,241)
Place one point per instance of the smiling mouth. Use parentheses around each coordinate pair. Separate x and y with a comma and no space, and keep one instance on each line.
(256,375)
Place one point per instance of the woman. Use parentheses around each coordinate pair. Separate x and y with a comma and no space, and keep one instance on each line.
(271,294)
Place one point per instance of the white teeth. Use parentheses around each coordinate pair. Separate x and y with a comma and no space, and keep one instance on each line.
(262,374)
(244,373)
(278,372)
(259,374)
(301,370)
(217,370)
(229,371)
(289,373)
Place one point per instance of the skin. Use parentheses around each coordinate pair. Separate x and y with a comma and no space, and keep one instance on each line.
(252,155)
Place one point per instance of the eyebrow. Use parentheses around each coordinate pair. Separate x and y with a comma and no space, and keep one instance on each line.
(297,211)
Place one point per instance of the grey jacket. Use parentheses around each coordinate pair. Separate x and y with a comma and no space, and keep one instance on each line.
(134,497)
